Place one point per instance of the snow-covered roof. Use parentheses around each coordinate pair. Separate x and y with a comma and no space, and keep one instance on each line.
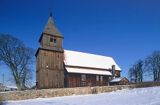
(87,71)
(74,58)
(117,79)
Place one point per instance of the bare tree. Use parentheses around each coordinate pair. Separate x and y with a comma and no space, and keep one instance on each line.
(136,72)
(18,58)
(131,74)
(152,64)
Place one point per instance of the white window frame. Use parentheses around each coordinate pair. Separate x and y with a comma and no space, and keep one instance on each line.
(97,78)
(101,78)
(83,77)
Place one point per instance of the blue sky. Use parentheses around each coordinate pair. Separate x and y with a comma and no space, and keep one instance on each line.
(127,30)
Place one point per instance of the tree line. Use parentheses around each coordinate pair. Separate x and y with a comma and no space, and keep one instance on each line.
(149,67)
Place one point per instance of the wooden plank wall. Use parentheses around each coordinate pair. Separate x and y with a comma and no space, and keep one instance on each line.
(50,69)
(124,81)
(45,43)
(74,80)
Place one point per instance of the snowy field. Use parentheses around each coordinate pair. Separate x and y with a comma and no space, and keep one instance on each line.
(141,96)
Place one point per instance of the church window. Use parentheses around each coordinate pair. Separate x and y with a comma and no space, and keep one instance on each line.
(83,77)
(97,78)
(101,78)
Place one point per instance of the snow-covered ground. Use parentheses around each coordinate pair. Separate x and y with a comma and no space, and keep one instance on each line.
(141,96)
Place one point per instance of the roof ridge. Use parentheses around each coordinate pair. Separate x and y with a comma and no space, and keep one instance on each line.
(89,53)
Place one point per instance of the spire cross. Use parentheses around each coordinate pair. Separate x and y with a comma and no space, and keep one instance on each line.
(50,12)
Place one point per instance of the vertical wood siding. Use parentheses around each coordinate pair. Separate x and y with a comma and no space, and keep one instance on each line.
(50,69)
(74,80)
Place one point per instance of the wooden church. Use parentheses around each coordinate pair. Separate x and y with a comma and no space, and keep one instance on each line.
(58,68)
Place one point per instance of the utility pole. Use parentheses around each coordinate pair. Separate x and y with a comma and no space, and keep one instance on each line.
(3,79)
(3,82)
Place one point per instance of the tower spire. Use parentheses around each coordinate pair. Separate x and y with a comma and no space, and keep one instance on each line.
(50,27)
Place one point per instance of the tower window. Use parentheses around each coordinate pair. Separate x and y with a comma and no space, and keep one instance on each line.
(51,39)
(55,41)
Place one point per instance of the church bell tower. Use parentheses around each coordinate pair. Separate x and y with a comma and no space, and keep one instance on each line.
(50,57)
